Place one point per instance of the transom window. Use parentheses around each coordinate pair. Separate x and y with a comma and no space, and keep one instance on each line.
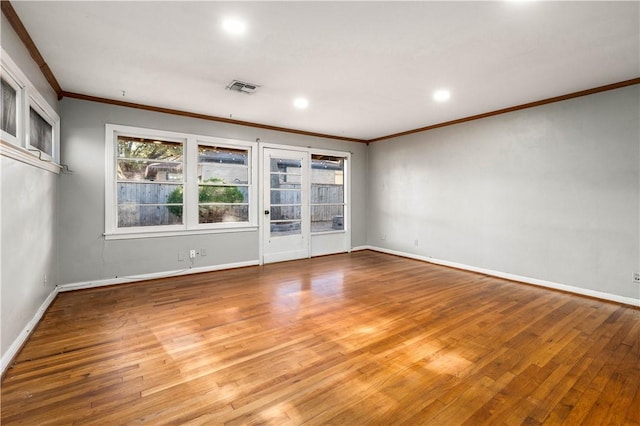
(40,132)
(27,122)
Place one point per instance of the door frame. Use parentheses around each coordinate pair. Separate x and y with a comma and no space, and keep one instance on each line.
(346,246)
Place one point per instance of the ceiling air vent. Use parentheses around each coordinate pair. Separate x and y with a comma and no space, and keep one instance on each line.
(242,87)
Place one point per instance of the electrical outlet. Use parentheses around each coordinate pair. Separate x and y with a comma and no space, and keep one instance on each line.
(44,283)
(383,237)
(636,277)
(203,252)
(416,243)
(192,254)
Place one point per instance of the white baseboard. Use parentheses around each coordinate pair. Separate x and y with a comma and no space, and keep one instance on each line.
(133,278)
(534,281)
(8,356)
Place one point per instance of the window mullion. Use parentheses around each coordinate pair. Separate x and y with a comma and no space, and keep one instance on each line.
(191,183)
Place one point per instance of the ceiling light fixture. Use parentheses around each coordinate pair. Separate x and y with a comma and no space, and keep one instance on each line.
(441,95)
(234,26)
(301,103)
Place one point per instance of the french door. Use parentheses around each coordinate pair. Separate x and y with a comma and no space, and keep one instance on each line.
(286,224)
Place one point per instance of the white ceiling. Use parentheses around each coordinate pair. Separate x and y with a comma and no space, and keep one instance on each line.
(368,68)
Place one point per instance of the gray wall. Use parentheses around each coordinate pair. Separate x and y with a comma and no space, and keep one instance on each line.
(28,224)
(84,253)
(550,193)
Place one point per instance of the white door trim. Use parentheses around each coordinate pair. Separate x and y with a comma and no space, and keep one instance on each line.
(309,151)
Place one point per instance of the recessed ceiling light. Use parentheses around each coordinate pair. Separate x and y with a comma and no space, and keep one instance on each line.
(234,26)
(441,95)
(301,103)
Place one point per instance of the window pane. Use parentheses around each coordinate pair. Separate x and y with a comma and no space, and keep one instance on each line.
(327,170)
(9,108)
(327,218)
(151,149)
(327,194)
(146,201)
(285,212)
(285,196)
(150,170)
(40,133)
(149,193)
(223,213)
(223,165)
(223,194)
(280,228)
(145,215)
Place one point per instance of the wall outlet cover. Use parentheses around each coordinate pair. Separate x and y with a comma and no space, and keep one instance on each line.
(636,277)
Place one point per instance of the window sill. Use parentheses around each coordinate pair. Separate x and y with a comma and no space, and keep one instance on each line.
(180,233)
(9,150)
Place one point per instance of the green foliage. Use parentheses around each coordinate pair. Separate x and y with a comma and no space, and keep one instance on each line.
(149,149)
(175,197)
(134,151)
(207,194)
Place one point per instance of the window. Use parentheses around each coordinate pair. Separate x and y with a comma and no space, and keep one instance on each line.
(327,193)
(162,182)
(29,125)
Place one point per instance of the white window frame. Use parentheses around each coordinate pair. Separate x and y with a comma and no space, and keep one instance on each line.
(191,223)
(40,106)
(252,184)
(27,96)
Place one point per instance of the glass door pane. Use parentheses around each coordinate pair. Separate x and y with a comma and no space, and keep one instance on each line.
(285,196)
(327,193)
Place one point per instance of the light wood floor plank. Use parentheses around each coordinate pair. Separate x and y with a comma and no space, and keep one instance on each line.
(360,338)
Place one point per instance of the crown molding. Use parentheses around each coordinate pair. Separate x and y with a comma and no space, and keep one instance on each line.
(546,101)
(204,116)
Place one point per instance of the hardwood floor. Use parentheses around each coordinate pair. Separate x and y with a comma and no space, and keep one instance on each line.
(353,339)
